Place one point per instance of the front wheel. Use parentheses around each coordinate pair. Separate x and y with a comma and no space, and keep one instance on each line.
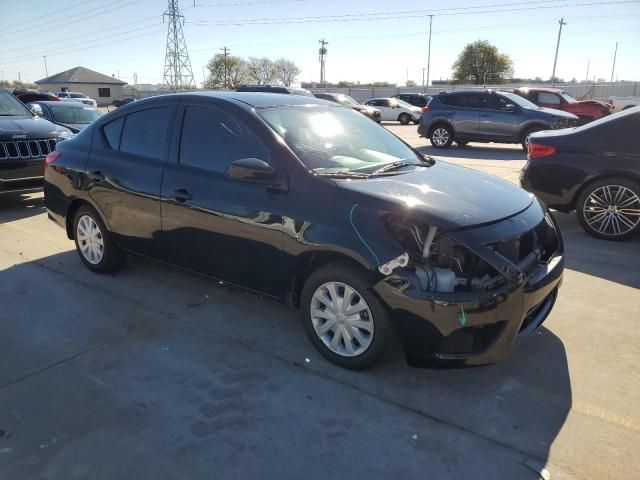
(345,322)
(404,118)
(94,242)
(610,209)
(441,136)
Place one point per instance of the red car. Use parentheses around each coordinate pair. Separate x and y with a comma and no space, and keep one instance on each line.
(586,110)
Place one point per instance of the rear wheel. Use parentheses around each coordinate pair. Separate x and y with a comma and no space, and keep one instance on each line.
(404,118)
(610,209)
(345,322)
(525,136)
(441,136)
(94,242)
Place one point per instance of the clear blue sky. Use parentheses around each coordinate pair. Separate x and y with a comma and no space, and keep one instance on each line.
(369,40)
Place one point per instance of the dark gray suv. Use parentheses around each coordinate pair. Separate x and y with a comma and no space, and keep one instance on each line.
(487,116)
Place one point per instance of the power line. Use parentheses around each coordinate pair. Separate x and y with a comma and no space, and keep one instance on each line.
(56,12)
(251,3)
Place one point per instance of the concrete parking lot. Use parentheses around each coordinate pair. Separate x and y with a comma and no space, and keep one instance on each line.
(153,373)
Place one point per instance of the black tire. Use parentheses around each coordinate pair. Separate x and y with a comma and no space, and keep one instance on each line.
(416,122)
(441,136)
(525,136)
(629,106)
(112,256)
(350,276)
(404,119)
(615,229)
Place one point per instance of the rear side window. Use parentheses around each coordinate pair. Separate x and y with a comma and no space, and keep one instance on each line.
(548,98)
(144,132)
(113,132)
(212,139)
(469,100)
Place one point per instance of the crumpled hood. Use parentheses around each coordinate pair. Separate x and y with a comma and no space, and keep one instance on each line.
(444,195)
(17,128)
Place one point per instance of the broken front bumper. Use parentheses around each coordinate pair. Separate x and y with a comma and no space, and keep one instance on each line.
(473,328)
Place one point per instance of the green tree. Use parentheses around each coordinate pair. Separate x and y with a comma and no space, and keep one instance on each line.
(285,71)
(226,73)
(481,63)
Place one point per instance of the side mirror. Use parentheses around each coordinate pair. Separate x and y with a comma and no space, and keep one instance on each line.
(251,170)
(36,109)
(510,107)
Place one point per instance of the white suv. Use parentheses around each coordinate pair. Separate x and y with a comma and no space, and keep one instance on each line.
(78,97)
(394,109)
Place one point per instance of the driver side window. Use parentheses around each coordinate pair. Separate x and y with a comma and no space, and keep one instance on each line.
(212,139)
(548,98)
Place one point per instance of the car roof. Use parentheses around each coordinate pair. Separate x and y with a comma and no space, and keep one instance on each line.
(249,99)
(61,104)
(541,89)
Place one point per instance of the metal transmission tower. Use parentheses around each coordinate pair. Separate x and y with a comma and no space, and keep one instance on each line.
(322,54)
(178,74)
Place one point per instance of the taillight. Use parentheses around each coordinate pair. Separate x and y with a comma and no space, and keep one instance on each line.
(425,109)
(52,157)
(537,150)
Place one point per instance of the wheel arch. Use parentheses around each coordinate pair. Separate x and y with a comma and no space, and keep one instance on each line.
(309,262)
(600,177)
(439,122)
(75,204)
(528,126)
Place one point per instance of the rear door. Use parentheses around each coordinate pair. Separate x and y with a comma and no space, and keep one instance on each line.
(125,171)
(463,113)
(212,223)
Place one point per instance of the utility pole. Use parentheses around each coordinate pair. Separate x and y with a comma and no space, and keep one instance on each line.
(204,79)
(322,54)
(615,54)
(135,78)
(555,60)
(178,74)
(225,50)
(429,52)
(19,77)
(423,69)
(46,70)
(586,77)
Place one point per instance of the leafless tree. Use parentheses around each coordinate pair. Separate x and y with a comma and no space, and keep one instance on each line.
(285,71)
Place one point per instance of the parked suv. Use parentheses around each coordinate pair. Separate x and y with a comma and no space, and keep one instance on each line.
(275,89)
(78,97)
(416,99)
(487,116)
(311,203)
(586,110)
(25,139)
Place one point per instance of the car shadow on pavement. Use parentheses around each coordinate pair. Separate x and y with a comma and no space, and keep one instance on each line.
(614,261)
(477,151)
(512,410)
(18,206)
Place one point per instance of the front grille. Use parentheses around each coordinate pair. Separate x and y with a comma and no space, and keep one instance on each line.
(26,149)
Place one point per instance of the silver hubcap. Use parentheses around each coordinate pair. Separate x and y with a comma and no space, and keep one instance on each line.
(440,136)
(90,240)
(342,319)
(612,210)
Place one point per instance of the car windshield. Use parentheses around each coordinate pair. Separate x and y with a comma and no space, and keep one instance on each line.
(518,100)
(74,115)
(346,100)
(10,106)
(568,97)
(337,140)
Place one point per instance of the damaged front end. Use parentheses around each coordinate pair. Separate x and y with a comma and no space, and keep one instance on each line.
(467,295)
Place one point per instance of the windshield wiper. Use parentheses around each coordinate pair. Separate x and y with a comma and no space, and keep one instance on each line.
(343,174)
(393,166)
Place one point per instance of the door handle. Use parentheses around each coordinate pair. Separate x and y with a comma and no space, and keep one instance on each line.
(96,176)
(182,195)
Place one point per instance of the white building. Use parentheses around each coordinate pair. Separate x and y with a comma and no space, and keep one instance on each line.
(102,88)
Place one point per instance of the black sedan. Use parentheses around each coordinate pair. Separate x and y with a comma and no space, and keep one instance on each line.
(313,204)
(594,170)
(73,115)
(347,101)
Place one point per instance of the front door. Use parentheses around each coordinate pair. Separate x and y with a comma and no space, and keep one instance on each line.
(212,223)
(125,171)
(497,121)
